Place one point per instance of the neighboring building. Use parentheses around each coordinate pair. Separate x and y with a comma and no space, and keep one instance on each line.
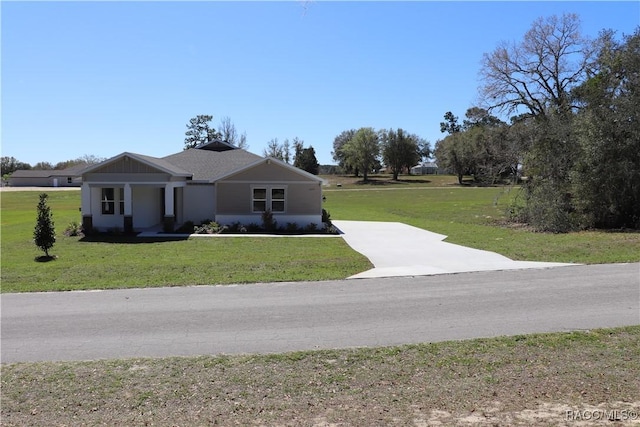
(427,168)
(69,177)
(214,181)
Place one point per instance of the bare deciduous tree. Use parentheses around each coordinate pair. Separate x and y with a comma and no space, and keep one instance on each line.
(539,72)
(229,133)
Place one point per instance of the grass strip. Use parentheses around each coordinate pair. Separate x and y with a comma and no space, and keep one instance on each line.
(521,380)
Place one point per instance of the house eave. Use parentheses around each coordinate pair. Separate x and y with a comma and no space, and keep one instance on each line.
(267,160)
(138,158)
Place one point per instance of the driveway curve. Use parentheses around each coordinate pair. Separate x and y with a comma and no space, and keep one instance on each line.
(396,249)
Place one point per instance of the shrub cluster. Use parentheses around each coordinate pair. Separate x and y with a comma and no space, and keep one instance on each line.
(269,225)
(74,229)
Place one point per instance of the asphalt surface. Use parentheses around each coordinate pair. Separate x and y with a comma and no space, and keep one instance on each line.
(279,317)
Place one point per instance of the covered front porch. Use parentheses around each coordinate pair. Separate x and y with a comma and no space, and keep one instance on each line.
(131,206)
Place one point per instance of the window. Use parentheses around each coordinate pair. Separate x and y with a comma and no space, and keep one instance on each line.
(121,195)
(259,199)
(69,180)
(108,202)
(272,199)
(277,200)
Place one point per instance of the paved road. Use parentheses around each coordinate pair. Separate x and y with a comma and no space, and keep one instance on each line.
(281,317)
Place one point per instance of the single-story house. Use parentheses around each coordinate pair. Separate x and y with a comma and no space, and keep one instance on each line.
(426,168)
(69,177)
(215,181)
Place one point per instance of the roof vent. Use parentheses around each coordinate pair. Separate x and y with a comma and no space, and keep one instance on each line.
(216,145)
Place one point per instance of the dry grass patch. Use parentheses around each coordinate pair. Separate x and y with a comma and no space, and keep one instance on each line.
(521,380)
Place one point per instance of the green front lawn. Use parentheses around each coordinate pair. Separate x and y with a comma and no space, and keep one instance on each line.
(128,262)
(469,216)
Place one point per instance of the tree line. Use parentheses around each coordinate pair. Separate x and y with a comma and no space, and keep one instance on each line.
(9,165)
(363,150)
(295,153)
(573,132)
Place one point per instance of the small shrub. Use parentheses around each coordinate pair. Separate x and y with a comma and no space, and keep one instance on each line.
(211,227)
(74,229)
(311,227)
(331,230)
(234,227)
(268,222)
(326,217)
(292,227)
(252,228)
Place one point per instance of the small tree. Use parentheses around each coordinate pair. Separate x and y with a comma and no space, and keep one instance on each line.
(363,150)
(400,150)
(44,234)
(305,158)
(199,132)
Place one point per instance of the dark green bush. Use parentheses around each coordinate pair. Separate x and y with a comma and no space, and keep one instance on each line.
(268,221)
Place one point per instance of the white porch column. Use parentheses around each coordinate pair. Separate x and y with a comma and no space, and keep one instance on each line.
(86,200)
(168,200)
(128,203)
(169,214)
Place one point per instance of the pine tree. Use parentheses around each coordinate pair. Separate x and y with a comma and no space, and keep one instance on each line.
(44,234)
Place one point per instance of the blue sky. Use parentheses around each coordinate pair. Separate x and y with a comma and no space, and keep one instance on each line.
(101,78)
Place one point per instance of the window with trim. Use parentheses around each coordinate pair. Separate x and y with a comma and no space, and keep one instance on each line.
(272,199)
(259,199)
(108,201)
(69,180)
(277,200)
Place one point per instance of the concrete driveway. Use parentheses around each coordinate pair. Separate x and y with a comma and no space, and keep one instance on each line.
(397,249)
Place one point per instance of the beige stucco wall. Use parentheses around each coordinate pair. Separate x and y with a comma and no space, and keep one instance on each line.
(233,198)
(304,199)
(199,203)
(236,198)
(303,194)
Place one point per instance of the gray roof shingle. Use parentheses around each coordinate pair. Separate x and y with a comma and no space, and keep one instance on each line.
(208,165)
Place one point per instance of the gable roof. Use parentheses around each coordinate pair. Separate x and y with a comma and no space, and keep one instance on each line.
(277,162)
(209,166)
(153,162)
(204,164)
